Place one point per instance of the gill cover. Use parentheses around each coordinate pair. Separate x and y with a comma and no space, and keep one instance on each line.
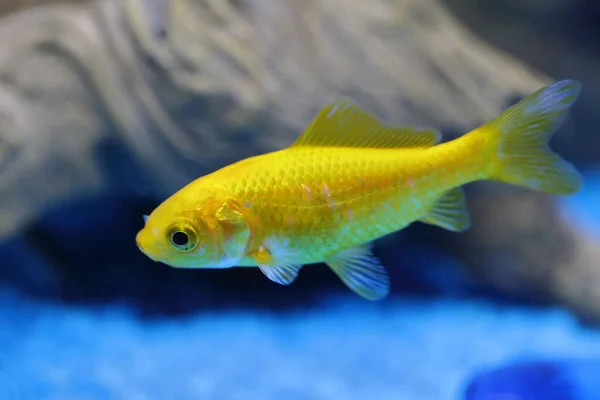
(235,229)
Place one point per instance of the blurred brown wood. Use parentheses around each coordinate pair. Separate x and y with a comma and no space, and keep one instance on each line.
(559,38)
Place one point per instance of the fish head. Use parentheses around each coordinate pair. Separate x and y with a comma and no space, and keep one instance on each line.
(187,233)
(178,236)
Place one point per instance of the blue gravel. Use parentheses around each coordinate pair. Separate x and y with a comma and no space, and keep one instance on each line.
(539,380)
(348,349)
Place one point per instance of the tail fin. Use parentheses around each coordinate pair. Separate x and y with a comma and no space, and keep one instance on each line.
(523,131)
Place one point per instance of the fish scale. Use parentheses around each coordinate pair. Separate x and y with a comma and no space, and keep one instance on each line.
(354,212)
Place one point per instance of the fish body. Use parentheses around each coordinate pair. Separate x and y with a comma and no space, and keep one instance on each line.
(348,180)
(321,200)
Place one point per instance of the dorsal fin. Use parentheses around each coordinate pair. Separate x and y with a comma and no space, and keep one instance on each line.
(343,124)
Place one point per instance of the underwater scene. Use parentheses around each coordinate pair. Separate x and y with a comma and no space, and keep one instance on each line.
(299,200)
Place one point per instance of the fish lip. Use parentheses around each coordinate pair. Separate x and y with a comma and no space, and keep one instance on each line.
(150,256)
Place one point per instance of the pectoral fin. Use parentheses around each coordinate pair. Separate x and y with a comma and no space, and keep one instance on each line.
(282,274)
(361,271)
(277,261)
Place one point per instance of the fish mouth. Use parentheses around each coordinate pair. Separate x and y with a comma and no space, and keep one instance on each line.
(148,254)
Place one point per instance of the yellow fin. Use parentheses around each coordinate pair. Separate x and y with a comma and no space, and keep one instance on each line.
(520,137)
(343,124)
(450,212)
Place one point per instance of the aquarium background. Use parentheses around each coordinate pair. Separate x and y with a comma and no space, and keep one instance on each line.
(508,311)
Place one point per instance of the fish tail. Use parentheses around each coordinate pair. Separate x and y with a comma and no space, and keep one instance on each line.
(519,152)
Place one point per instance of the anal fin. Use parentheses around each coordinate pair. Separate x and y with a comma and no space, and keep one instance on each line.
(450,212)
(361,271)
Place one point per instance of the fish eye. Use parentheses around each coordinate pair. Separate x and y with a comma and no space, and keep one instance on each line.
(183,237)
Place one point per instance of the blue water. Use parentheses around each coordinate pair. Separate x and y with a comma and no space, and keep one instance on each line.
(399,349)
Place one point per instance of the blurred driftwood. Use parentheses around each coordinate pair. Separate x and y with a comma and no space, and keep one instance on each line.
(138,97)
(559,37)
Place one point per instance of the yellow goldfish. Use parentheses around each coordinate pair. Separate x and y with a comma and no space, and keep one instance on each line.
(348,180)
